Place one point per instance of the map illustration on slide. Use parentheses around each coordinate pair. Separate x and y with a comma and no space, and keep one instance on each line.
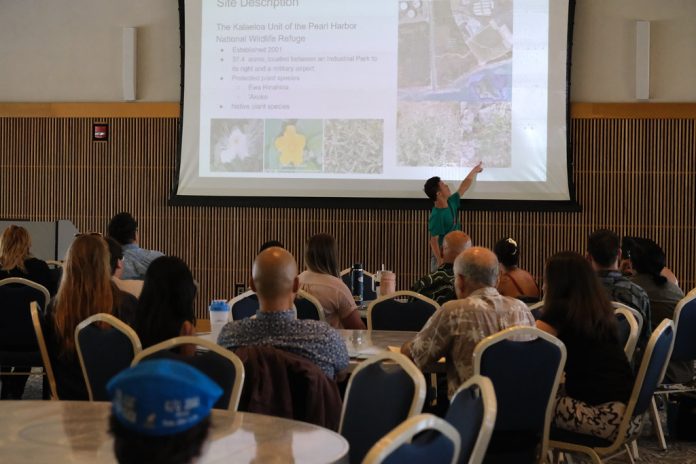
(354,146)
(455,82)
(236,145)
(293,145)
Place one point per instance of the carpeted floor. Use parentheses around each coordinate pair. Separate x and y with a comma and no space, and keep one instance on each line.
(648,449)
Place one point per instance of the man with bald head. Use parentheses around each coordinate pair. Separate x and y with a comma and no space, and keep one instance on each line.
(439,285)
(479,311)
(274,279)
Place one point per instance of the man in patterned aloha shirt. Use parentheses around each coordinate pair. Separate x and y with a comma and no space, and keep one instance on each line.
(439,285)
(480,311)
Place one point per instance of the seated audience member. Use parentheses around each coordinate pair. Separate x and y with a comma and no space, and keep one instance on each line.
(514,282)
(16,259)
(627,244)
(439,285)
(124,229)
(275,282)
(160,412)
(165,308)
(133,287)
(604,253)
(85,289)
(265,245)
(598,377)
(480,311)
(322,280)
(648,261)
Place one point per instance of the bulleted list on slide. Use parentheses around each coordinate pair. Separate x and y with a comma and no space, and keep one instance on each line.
(287,82)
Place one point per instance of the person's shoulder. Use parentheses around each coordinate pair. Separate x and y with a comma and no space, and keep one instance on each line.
(633,287)
(312,326)
(234,328)
(32,261)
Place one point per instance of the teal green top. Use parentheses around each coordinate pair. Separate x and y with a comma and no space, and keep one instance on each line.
(444,220)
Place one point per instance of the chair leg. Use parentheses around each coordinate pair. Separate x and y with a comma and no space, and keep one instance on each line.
(657,424)
(629,453)
(634,449)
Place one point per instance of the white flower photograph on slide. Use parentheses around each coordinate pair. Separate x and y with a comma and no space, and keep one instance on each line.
(236,145)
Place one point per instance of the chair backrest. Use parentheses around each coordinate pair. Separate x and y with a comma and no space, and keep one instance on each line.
(685,330)
(442,446)
(525,366)
(308,307)
(536,309)
(37,318)
(628,330)
(653,366)
(636,314)
(221,365)
(368,279)
(692,292)
(382,392)
(472,412)
(104,352)
(388,313)
(16,329)
(650,373)
(244,306)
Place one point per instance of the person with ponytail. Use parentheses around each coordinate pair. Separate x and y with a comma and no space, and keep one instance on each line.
(514,281)
(648,263)
(598,377)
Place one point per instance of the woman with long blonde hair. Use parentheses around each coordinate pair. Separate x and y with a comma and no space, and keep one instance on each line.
(85,289)
(16,259)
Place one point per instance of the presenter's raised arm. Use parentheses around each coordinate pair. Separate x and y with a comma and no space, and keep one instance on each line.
(469,179)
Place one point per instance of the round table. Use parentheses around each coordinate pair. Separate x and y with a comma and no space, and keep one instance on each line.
(77,431)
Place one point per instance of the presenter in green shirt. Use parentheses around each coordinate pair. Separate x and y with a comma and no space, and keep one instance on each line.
(444,217)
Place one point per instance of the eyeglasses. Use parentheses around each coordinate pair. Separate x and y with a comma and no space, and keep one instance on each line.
(98,234)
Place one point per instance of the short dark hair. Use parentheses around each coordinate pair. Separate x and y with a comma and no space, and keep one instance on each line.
(604,245)
(180,448)
(507,252)
(115,253)
(166,301)
(122,228)
(269,244)
(648,258)
(320,254)
(431,187)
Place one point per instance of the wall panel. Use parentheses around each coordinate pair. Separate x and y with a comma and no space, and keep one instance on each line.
(633,175)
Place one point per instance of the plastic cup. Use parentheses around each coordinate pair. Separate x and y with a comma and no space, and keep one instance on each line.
(219,316)
(387,283)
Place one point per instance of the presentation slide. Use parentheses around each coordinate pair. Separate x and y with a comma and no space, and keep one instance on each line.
(369,98)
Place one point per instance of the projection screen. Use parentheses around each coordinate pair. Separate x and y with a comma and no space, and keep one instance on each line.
(366,99)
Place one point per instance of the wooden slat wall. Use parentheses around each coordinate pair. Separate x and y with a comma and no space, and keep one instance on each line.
(635,176)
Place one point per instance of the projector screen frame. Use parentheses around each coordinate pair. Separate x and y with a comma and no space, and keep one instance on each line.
(570,205)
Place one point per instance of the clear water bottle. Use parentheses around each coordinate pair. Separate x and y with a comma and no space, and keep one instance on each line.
(357,283)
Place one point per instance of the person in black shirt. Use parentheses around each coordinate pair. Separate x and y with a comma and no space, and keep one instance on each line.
(599,378)
(16,261)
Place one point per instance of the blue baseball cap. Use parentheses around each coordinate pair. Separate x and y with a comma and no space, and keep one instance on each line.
(161,397)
